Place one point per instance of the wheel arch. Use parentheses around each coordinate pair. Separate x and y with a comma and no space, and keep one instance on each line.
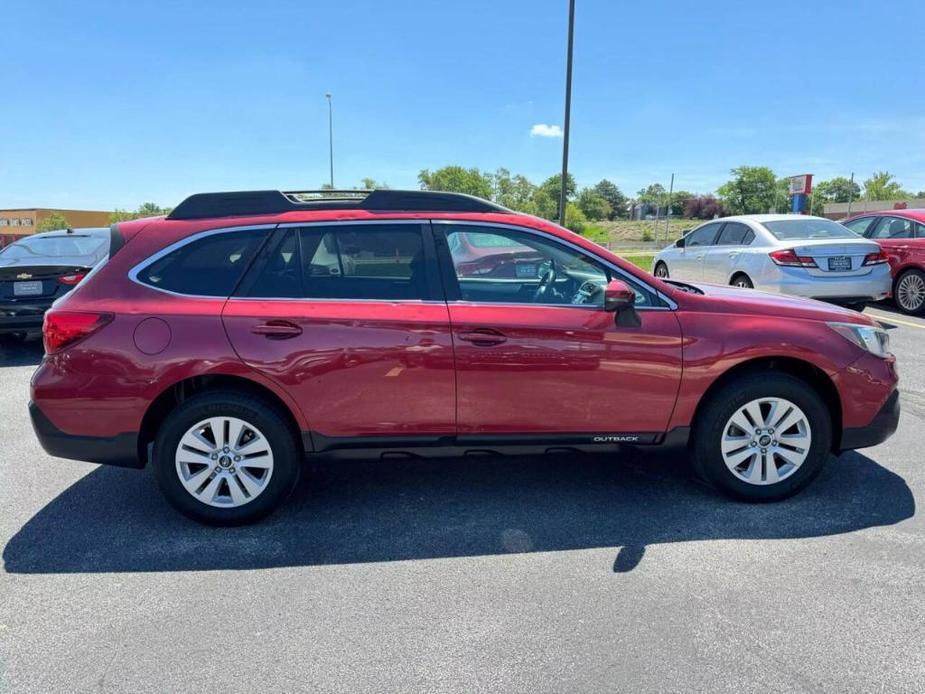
(805,371)
(182,390)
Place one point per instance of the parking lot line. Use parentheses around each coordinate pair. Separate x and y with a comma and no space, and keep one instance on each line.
(890,319)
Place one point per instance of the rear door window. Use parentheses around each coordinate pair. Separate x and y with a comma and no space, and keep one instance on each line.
(735,234)
(208,266)
(892,228)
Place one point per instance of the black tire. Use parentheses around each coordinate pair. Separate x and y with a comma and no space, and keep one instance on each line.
(906,305)
(713,417)
(282,440)
(660,270)
(741,280)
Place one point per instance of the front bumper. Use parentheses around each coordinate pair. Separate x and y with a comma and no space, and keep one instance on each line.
(881,427)
(120,450)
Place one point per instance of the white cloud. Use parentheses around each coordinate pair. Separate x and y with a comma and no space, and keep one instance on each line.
(543,130)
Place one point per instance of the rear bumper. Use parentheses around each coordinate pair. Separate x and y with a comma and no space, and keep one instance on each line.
(23,316)
(879,430)
(120,450)
(797,282)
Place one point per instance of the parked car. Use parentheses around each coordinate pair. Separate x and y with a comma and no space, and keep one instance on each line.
(790,254)
(37,269)
(208,346)
(901,235)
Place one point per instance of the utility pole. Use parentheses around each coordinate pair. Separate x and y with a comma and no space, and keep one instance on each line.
(568,110)
(668,207)
(850,193)
(330,136)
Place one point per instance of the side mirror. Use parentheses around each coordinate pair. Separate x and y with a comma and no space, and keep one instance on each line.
(620,300)
(680,242)
(618,296)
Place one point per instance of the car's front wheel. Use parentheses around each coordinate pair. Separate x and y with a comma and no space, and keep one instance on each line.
(909,292)
(762,437)
(226,458)
(661,270)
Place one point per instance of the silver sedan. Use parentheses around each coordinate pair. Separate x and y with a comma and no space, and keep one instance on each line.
(791,254)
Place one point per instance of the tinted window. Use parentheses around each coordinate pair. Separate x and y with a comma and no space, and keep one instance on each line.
(382,261)
(210,266)
(497,265)
(277,273)
(859,226)
(702,236)
(808,229)
(893,228)
(735,234)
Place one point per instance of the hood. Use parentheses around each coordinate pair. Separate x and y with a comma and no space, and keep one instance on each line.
(725,299)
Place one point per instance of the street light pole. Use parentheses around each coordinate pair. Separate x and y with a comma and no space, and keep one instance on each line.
(330,136)
(568,109)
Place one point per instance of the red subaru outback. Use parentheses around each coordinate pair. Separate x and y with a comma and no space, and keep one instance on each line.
(223,342)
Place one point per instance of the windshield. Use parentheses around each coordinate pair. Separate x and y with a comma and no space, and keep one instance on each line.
(808,229)
(56,247)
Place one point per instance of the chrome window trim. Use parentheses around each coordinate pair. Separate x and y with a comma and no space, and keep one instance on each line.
(671,305)
(151,259)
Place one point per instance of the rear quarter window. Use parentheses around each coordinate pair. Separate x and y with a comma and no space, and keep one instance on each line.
(209,266)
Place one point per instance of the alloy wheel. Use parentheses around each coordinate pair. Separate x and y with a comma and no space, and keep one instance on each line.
(224,462)
(911,292)
(661,271)
(766,441)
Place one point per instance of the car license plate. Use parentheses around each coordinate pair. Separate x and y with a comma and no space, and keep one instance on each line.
(840,263)
(27,288)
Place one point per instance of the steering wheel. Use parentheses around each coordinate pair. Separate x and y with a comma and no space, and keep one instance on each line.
(547,278)
(587,292)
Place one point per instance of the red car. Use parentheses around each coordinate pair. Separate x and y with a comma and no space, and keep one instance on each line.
(223,342)
(901,234)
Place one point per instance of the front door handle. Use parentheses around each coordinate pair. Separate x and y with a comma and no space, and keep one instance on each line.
(483,337)
(277,330)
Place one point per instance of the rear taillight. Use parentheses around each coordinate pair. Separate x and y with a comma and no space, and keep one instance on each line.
(789,258)
(63,328)
(71,280)
(877,258)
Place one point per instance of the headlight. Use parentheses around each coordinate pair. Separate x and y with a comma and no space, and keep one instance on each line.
(874,340)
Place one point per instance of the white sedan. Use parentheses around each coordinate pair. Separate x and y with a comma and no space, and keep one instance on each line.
(792,254)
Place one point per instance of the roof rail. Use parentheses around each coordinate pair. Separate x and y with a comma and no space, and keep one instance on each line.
(259,202)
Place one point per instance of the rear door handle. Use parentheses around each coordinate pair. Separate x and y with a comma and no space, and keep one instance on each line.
(483,337)
(277,330)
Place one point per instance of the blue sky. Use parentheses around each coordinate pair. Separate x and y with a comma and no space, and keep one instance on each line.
(110,104)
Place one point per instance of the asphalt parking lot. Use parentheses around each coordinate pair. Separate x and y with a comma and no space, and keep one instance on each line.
(579,573)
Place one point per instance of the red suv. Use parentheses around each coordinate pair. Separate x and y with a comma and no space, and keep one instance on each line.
(901,235)
(223,342)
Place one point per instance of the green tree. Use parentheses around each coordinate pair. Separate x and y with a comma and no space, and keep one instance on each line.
(148,209)
(547,195)
(53,222)
(594,206)
(752,190)
(614,197)
(838,189)
(678,202)
(373,184)
(515,192)
(575,218)
(456,179)
(882,186)
(652,195)
(545,205)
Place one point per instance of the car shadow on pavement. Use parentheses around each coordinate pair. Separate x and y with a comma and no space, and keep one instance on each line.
(16,353)
(115,520)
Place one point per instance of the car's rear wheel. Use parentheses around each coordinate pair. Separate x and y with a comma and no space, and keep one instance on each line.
(762,437)
(661,270)
(742,281)
(225,458)
(909,292)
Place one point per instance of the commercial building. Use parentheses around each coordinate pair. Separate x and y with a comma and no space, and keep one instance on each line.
(15,223)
